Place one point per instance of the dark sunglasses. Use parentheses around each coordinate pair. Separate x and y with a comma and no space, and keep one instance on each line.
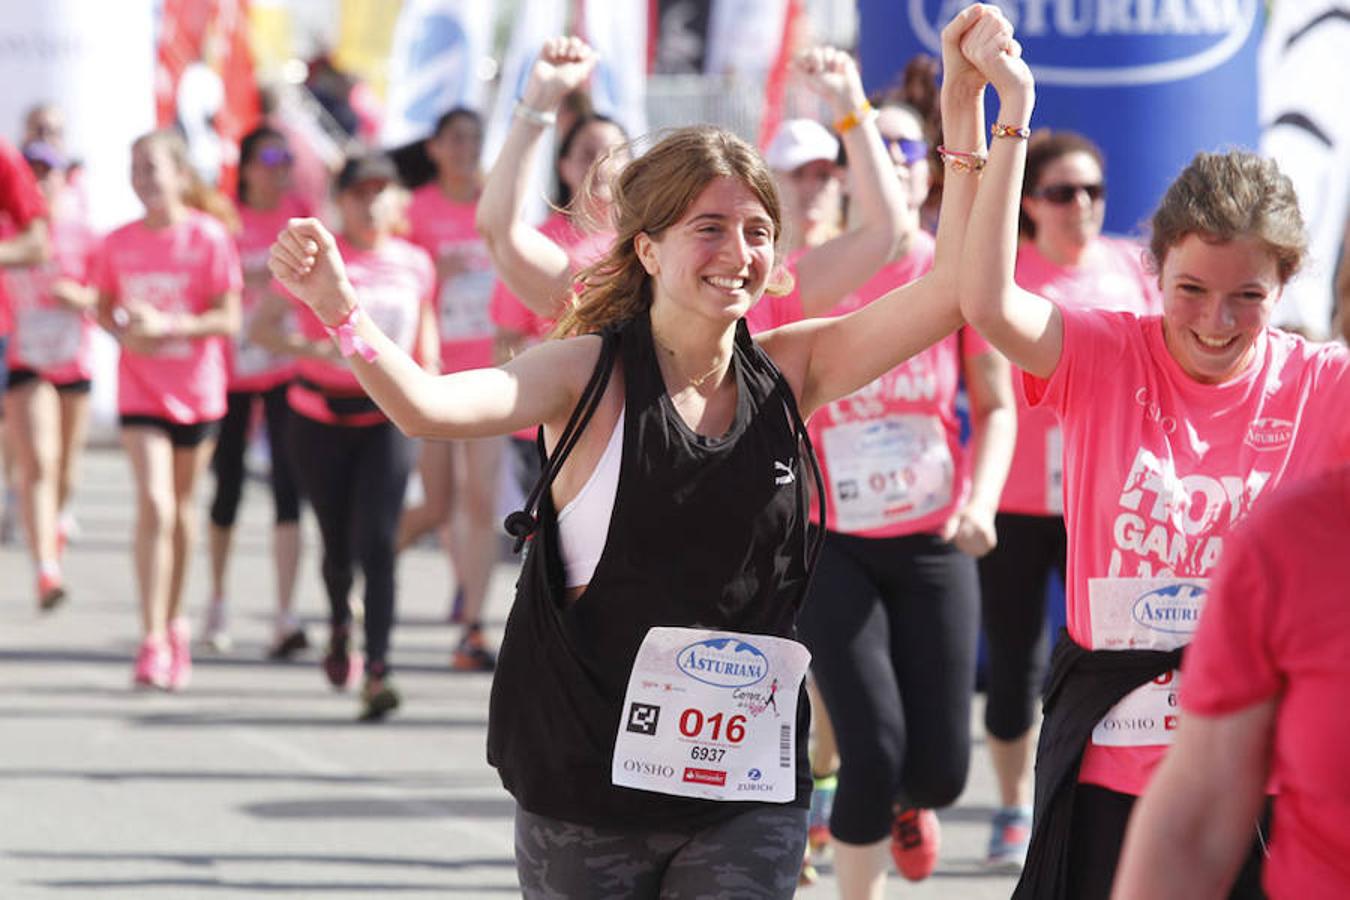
(275,156)
(910,151)
(1059,194)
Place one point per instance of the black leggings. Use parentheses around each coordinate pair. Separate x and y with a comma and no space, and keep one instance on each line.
(1098,834)
(1014,577)
(354,478)
(891,624)
(228,461)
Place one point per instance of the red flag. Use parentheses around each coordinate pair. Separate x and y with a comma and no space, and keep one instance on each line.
(776,84)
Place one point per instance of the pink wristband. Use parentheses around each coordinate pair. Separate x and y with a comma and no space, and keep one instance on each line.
(348,341)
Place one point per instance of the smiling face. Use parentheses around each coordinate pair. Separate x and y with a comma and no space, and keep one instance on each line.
(1217,299)
(1065,214)
(714,262)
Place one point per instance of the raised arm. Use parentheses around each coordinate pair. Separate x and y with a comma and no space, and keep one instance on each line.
(539,386)
(535,268)
(1193,826)
(825,359)
(827,273)
(1025,327)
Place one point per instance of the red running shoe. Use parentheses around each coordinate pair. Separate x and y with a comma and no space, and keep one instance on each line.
(915,836)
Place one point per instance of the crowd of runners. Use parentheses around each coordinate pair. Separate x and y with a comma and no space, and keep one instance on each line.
(793,431)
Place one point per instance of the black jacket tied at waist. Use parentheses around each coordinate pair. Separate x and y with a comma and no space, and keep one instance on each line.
(1084,685)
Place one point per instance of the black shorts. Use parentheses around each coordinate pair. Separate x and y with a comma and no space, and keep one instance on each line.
(19,377)
(183,435)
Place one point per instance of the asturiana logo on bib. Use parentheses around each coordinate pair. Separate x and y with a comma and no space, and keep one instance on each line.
(723,662)
(1098,43)
(1174,609)
(1269,434)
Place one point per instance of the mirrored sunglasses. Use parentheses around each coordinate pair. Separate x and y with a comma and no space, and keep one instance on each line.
(275,156)
(910,151)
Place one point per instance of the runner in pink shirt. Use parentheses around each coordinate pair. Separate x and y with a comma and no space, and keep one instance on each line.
(258,382)
(351,462)
(47,401)
(1174,426)
(459,478)
(891,618)
(1265,680)
(1063,256)
(169,292)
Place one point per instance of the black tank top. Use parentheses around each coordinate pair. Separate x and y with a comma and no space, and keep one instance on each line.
(705,532)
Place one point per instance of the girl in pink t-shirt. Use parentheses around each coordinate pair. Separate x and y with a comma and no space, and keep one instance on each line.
(257,383)
(459,478)
(169,292)
(1063,256)
(351,462)
(1174,427)
(49,358)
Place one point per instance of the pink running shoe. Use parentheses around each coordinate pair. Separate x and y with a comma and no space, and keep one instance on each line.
(180,654)
(915,836)
(152,665)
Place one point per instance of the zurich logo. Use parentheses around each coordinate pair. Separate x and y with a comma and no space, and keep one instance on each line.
(754,774)
(723,662)
(1174,609)
(1099,43)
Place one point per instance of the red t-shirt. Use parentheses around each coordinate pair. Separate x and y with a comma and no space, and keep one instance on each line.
(1276,624)
(20,203)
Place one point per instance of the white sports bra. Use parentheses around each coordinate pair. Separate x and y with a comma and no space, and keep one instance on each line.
(583,524)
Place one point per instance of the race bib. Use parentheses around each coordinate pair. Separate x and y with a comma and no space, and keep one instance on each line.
(713,715)
(1144,614)
(465,298)
(884,471)
(49,337)
(1054,470)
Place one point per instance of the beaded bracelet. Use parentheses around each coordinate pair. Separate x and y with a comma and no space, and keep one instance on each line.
(998,130)
(534,116)
(963,160)
(349,342)
(855,118)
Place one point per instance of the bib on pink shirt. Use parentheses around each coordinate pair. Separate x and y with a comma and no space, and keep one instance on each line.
(1112,276)
(179,269)
(49,337)
(445,229)
(1157,469)
(1276,626)
(254,368)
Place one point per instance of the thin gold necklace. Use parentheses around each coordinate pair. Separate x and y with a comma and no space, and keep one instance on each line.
(693,382)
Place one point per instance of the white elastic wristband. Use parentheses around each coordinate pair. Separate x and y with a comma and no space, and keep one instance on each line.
(534,116)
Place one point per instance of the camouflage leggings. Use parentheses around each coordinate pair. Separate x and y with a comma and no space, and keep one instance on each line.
(755,855)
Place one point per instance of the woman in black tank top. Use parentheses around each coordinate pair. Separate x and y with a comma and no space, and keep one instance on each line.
(708,534)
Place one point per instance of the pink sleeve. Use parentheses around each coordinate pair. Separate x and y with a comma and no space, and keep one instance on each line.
(101,269)
(972,343)
(1229,665)
(1091,338)
(508,312)
(224,272)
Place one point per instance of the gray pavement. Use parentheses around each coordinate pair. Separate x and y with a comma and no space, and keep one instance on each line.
(256,781)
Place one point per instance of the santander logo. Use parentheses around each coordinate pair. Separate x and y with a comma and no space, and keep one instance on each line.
(1269,434)
(1099,43)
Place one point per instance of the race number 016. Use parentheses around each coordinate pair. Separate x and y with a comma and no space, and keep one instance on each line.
(693,720)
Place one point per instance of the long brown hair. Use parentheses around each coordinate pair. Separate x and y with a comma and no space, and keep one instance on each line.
(1223,196)
(198,194)
(650,195)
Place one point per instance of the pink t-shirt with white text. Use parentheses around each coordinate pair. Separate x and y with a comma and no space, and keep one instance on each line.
(445,229)
(775,310)
(891,452)
(49,337)
(1112,276)
(183,268)
(254,368)
(393,282)
(1158,467)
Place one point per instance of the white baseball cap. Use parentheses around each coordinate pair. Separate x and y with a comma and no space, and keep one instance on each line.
(798,142)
